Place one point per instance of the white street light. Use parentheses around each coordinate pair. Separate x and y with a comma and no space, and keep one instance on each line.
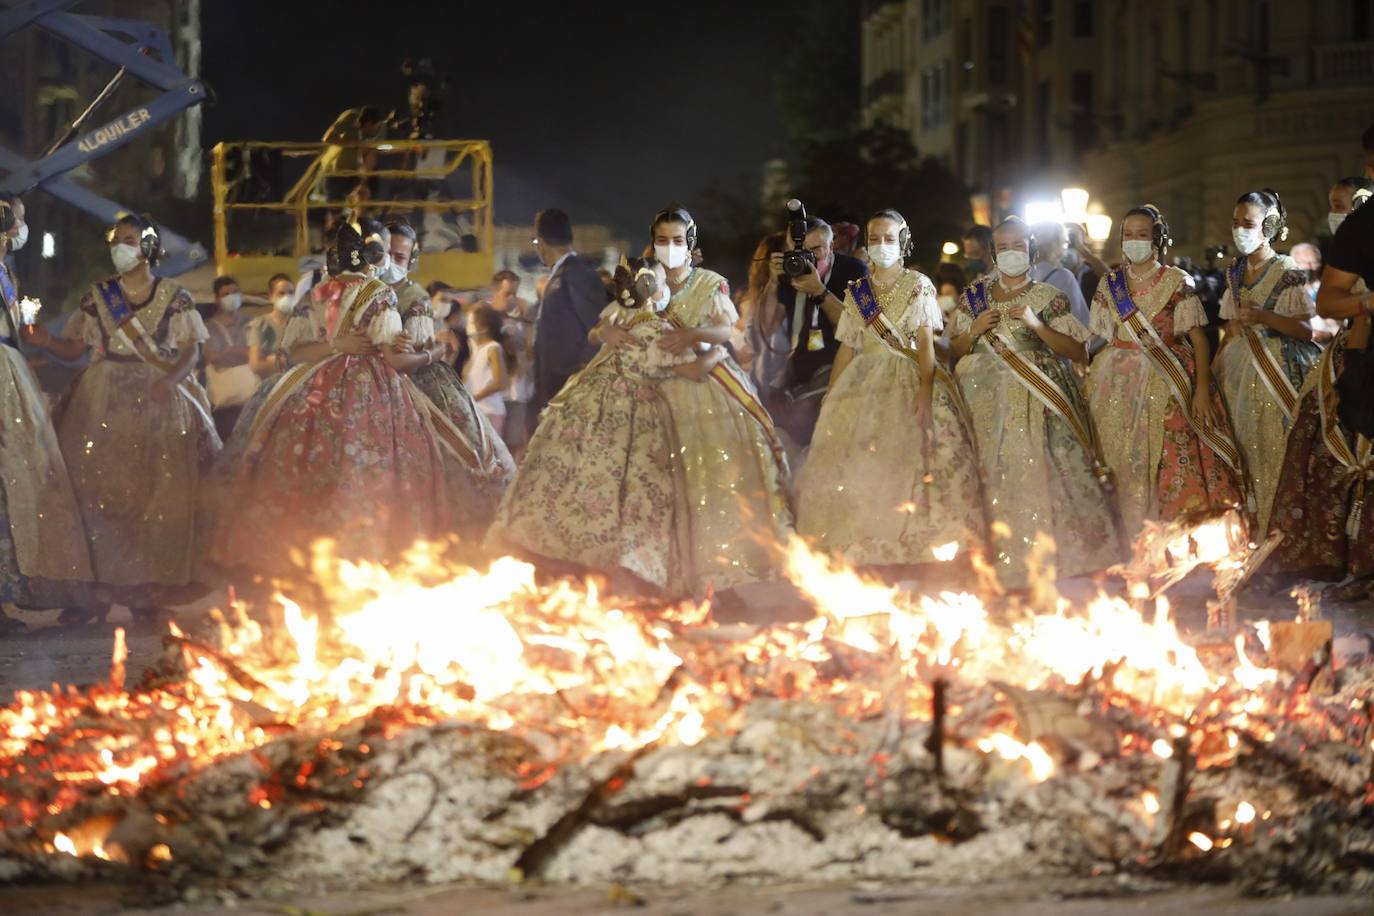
(49,245)
(1099,226)
(1075,204)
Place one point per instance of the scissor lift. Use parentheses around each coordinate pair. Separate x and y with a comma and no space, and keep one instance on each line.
(144,52)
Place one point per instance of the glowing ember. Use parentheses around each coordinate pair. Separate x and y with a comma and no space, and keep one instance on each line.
(1008,748)
(573,674)
(946,552)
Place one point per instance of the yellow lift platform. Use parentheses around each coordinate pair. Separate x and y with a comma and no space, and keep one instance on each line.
(423,172)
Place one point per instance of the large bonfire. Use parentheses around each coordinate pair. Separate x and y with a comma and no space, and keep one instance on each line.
(443,723)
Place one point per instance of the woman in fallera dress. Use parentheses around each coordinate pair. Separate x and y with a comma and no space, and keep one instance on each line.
(1041,467)
(1160,420)
(1268,351)
(480,474)
(735,470)
(42,542)
(345,448)
(893,472)
(1321,504)
(135,426)
(601,485)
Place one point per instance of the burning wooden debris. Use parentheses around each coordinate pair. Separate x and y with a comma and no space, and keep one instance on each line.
(452,724)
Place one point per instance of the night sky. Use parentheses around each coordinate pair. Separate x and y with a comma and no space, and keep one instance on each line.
(608,109)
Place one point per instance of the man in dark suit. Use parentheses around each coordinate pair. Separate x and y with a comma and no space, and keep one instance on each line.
(811,307)
(571,306)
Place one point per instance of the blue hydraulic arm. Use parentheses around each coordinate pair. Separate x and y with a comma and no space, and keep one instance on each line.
(178,93)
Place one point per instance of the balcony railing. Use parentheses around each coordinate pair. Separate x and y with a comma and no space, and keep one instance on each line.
(1344,63)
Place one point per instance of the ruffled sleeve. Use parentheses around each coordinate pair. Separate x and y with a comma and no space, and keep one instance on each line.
(186,327)
(850,330)
(1102,315)
(1294,302)
(1188,313)
(1060,317)
(960,320)
(723,311)
(923,311)
(84,325)
(1228,305)
(305,327)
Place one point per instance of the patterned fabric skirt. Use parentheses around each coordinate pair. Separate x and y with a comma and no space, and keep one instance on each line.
(878,490)
(599,485)
(1039,477)
(1312,504)
(478,493)
(1161,470)
(138,468)
(347,456)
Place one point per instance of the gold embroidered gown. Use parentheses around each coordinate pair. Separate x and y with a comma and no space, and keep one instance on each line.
(138,465)
(1160,467)
(733,466)
(876,490)
(1259,421)
(1038,475)
(42,542)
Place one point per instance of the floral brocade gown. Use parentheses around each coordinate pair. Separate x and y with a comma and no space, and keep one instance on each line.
(138,466)
(1259,421)
(1160,468)
(876,490)
(1039,477)
(481,481)
(600,484)
(342,450)
(1316,498)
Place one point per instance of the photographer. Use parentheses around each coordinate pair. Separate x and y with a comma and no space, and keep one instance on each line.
(811,279)
(1210,282)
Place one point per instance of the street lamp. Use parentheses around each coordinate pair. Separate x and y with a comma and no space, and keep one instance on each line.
(950,249)
(1099,226)
(1075,204)
(1043,211)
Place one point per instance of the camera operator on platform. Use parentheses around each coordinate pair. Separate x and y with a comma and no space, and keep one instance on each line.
(812,301)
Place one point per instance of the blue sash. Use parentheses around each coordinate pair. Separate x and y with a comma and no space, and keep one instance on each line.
(1121,293)
(865,299)
(115,303)
(976,295)
(7,287)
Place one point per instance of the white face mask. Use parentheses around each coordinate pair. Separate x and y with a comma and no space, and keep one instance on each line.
(1138,251)
(21,238)
(1013,262)
(885,254)
(283,303)
(1334,220)
(230,302)
(390,271)
(441,308)
(125,257)
(672,256)
(1247,240)
(947,304)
